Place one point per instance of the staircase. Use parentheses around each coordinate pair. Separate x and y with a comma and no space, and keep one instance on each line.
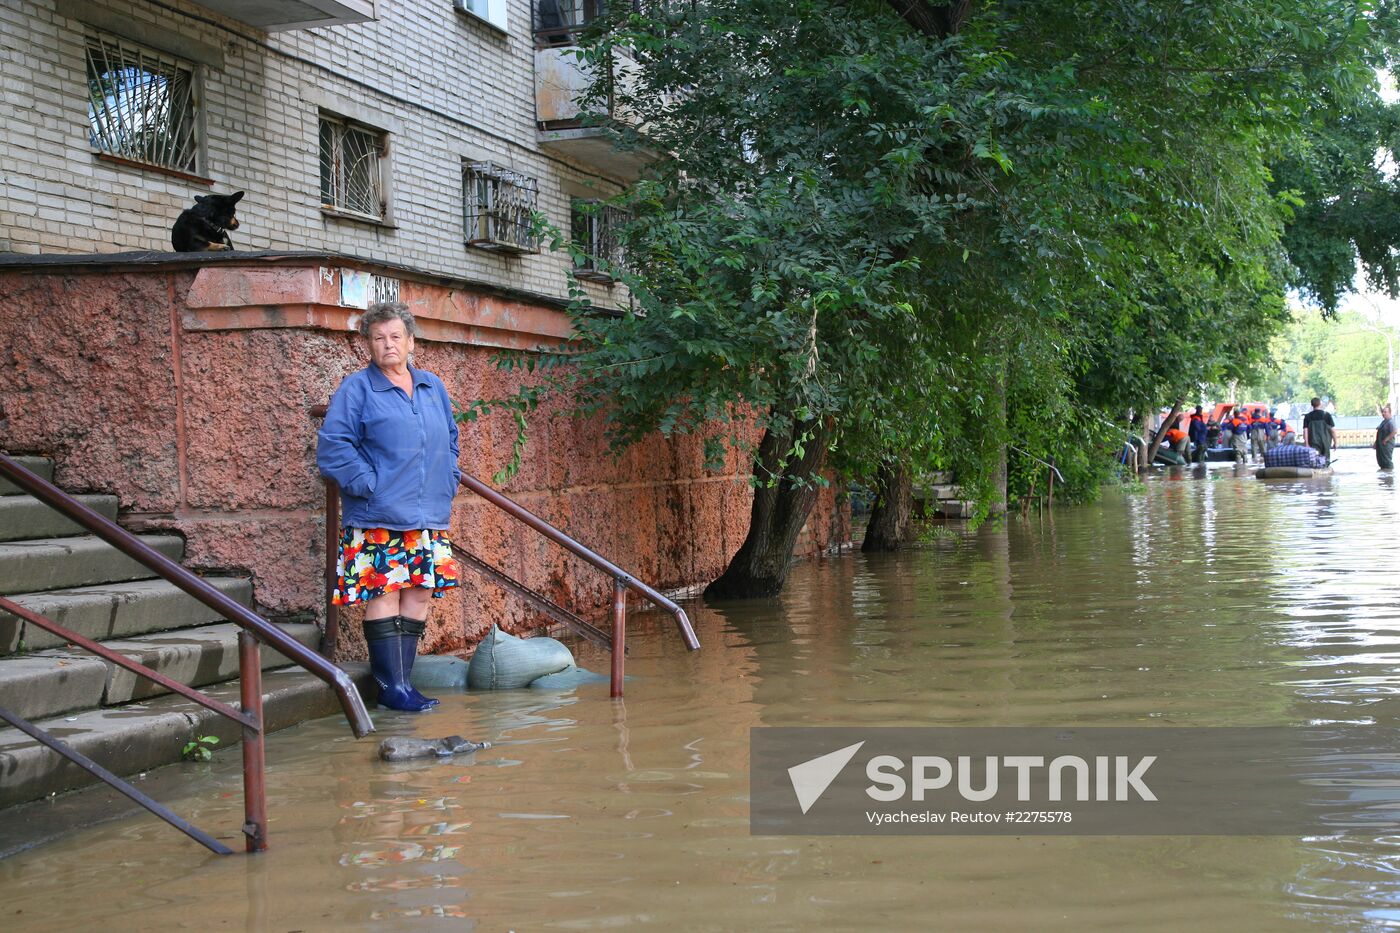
(938,495)
(51,567)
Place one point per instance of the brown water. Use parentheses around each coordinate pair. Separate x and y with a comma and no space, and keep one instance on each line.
(1211,599)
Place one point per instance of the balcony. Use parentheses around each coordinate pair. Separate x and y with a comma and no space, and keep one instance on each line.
(560,79)
(278,16)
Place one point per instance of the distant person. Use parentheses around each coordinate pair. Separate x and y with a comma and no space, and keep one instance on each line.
(1258,434)
(1178,439)
(1239,433)
(1273,431)
(1385,440)
(1196,430)
(1212,434)
(1289,453)
(1319,429)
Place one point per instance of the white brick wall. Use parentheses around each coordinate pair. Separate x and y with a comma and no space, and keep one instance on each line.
(446,85)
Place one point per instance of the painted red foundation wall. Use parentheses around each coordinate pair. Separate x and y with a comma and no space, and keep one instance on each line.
(186,392)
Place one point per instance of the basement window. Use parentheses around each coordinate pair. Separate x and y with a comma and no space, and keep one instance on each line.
(143,105)
(498,208)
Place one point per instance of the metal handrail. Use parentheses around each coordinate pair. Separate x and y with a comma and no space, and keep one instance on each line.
(138,550)
(252,628)
(622,580)
(626,579)
(250,718)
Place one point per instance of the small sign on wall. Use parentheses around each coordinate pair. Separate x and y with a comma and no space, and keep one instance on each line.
(354,289)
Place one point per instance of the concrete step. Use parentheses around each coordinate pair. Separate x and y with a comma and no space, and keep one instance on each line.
(955,508)
(41,465)
(141,736)
(115,610)
(51,682)
(26,517)
(63,563)
(946,492)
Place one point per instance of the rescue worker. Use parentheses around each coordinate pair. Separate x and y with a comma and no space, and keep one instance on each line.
(1177,439)
(1239,434)
(1258,430)
(1196,430)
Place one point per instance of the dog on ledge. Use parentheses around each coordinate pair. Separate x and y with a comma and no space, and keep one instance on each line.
(206,225)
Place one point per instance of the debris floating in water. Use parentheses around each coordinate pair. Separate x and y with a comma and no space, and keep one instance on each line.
(406,748)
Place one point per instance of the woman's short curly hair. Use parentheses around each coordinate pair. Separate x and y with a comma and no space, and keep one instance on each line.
(382,311)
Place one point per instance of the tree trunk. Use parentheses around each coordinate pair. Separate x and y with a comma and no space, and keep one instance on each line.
(891,524)
(779,511)
(1162,431)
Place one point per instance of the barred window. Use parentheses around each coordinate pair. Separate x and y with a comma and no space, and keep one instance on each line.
(142,105)
(498,208)
(352,167)
(594,230)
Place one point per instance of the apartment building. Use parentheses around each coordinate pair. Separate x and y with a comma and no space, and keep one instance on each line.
(422,133)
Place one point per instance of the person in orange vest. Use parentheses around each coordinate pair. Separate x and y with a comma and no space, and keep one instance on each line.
(1258,430)
(1177,438)
(1239,434)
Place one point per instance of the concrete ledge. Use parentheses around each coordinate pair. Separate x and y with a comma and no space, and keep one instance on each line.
(24,517)
(61,563)
(117,610)
(141,736)
(41,465)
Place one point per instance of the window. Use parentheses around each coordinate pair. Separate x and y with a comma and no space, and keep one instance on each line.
(142,105)
(492,11)
(353,158)
(595,227)
(498,208)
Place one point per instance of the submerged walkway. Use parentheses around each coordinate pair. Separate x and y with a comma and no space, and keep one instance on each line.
(1207,599)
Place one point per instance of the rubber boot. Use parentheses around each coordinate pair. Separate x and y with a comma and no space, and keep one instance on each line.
(387,667)
(410,631)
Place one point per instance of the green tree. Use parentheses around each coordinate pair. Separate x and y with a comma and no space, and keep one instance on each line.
(898,236)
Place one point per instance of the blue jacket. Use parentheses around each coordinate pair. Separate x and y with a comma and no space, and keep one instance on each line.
(394,458)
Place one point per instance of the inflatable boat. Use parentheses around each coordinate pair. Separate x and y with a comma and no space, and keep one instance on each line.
(1281,472)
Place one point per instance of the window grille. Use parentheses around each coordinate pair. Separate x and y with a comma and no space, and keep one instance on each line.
(595,230)
(352,176)
(142,105)
(498,208)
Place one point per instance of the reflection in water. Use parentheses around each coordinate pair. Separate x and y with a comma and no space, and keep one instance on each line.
(1209,599)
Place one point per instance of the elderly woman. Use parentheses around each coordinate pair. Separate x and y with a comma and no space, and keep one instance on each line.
(390,443)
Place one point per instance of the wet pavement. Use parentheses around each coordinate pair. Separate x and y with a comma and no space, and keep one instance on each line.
(1206,598)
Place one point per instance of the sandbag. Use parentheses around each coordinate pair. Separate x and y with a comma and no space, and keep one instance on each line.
(567,679)
(439,672)
(504,662)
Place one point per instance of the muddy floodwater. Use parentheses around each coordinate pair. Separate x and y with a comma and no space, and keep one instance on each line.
(1206,598)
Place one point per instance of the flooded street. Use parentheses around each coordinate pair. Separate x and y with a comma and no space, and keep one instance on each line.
(1203,599)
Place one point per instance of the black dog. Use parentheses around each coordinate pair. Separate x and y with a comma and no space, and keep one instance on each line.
(206,225)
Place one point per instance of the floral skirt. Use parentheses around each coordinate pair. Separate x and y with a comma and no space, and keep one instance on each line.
(376,561)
